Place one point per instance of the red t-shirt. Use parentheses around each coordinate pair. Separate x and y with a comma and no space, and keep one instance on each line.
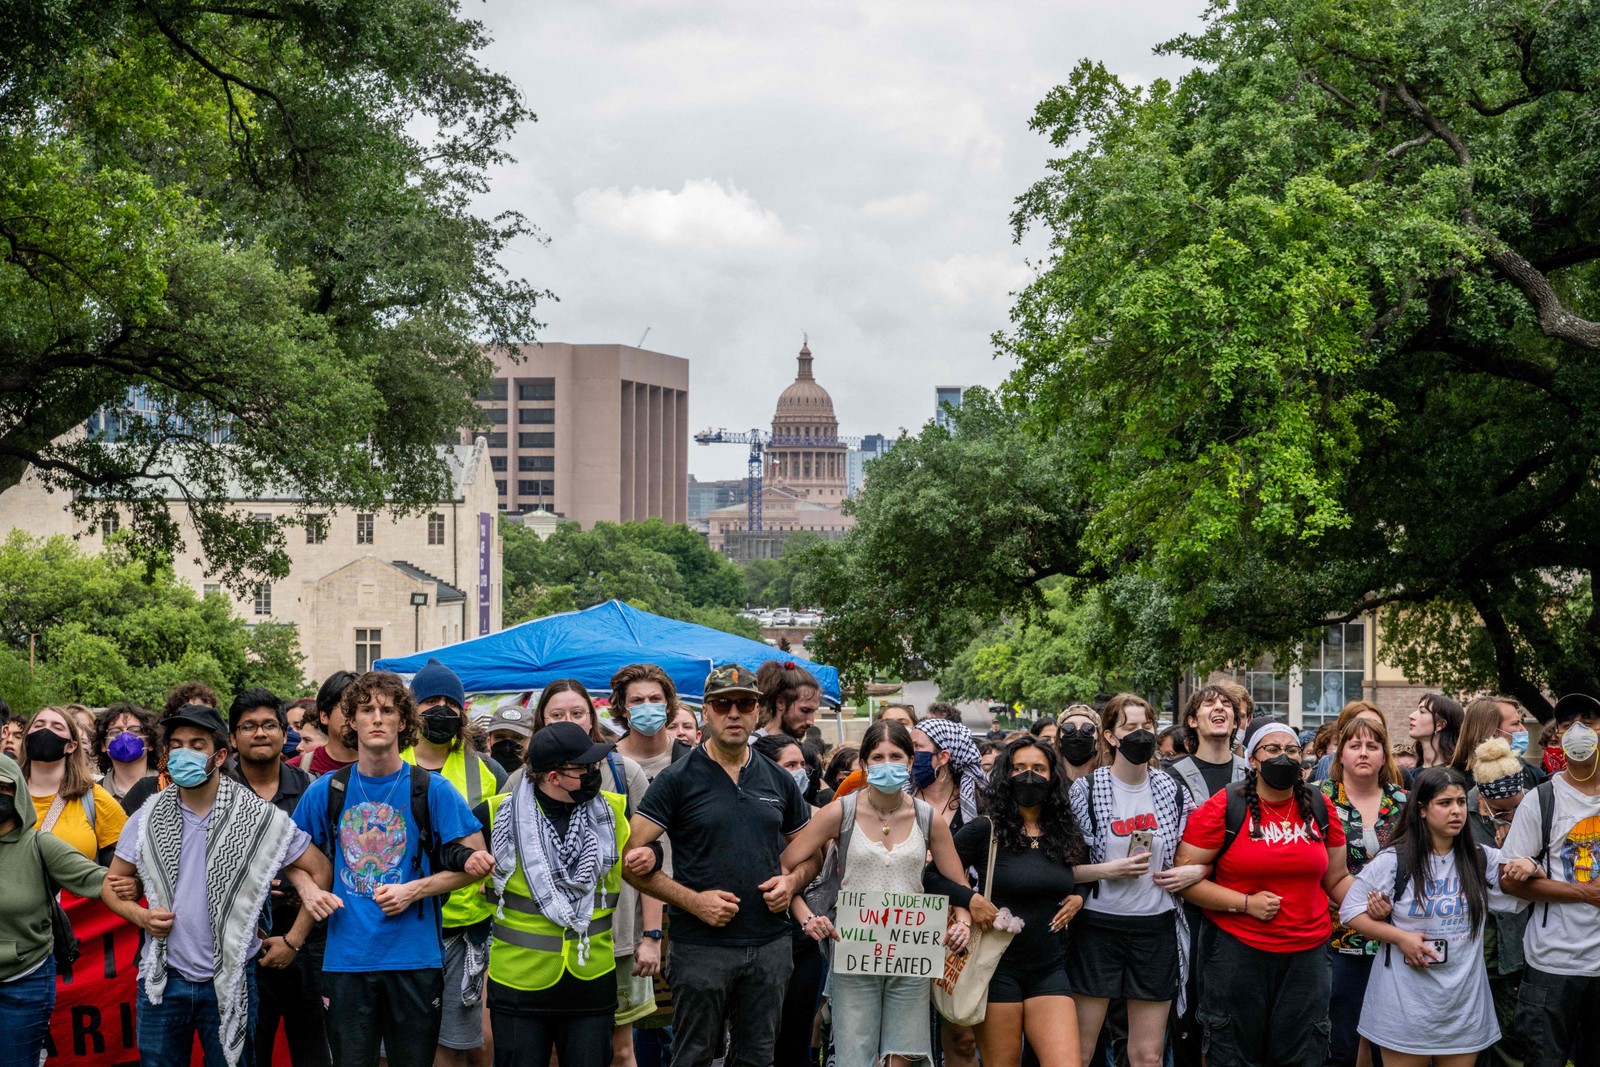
(1287,861)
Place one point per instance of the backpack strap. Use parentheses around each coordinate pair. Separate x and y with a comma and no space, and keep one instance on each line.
(1232,820)
(847,827)
(427,840)
(338,786)
(87,800)
(1394,899)
(924,813)
(1319,812)
(1546,792)
(620,780)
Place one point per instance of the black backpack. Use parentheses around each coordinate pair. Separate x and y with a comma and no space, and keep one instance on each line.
(64,943)
(1233,820)
(427,841)
(1546,792)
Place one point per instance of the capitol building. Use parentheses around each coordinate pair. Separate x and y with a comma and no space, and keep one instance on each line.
(805,480)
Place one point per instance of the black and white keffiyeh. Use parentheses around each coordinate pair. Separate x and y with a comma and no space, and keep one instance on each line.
(566,875)
(966,765)
(247,840)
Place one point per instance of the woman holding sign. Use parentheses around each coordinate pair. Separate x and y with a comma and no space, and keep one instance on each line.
(1036,843)
(884,836)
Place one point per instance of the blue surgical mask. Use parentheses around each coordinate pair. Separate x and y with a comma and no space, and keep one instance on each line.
(648,719)
(291,742)
(888,777)
(1518,742)
(923,771)
(188,768)
(801,778)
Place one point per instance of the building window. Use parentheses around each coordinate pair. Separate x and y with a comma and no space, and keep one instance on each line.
(110,524)
(538,389)
(263,603)
(435,529)
(497,463)
(369,649)
(497,416)
(364,529)
(536,487)
(211,587)
(536,440)
(1334,673)
(536,416)
(497,440)
(316,529)
(495,391)
(500,486)
(1268,688)
(536,463)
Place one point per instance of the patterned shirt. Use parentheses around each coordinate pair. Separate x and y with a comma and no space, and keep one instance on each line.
(1361,847)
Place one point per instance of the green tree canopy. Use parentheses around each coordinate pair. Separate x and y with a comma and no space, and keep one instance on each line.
(107,628)
(667,570)
(258,216)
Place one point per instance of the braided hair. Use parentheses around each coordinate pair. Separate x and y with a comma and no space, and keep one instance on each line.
(1302,801)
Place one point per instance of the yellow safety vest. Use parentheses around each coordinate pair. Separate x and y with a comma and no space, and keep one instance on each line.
(530,951)
(466,906)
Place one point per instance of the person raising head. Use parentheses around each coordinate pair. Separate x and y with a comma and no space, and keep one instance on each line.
(1078,741)
(1364,789)
(1209,720)
(1435,726)
(66,800)
(1277,851)
(1127,945)
(1432,1004)
(790,696)
(125,746)
(881,847)
(1036,843)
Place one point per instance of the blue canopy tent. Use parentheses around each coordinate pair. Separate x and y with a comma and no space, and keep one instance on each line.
(590,645)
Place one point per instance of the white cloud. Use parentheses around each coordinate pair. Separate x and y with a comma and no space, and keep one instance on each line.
(702,215)
(899,208)
(985,280)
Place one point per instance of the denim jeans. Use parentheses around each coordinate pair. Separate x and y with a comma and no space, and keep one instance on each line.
(188,1009)
(874,1017)
(1262,1009)
(25,1007)
(740,985)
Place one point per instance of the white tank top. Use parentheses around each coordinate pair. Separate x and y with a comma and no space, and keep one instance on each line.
(870,867)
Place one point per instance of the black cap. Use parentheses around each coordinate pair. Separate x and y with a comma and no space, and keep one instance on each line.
(1574,705)
(559,744)
(206,718)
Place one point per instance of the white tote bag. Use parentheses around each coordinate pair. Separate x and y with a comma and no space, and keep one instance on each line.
(962,994)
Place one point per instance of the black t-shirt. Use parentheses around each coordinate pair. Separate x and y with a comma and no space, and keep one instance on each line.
(1030,883)
(1216,775)
(726,836)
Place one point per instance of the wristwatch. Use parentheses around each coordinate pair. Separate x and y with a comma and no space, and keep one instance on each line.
(654,935)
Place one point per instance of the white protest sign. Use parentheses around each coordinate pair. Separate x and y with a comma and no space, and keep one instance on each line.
(890,934)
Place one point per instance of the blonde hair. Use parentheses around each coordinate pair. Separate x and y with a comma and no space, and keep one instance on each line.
(1494,760)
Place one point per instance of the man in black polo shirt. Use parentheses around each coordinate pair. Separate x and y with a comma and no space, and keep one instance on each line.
(729,811)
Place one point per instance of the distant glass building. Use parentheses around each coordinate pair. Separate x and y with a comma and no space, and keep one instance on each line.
(872,446)
(114,421)
(945,396)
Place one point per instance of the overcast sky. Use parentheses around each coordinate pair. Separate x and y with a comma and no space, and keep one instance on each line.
(732,174)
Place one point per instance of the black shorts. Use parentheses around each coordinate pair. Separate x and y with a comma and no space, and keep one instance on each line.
(1124,957)
(1015,981)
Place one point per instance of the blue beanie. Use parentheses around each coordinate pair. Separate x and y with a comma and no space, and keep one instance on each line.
(437,680)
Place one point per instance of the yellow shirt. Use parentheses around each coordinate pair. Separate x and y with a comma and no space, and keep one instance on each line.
(73,825)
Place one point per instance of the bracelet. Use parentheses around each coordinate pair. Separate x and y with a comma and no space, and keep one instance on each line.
(1247,903)
(961,922)
(292,946)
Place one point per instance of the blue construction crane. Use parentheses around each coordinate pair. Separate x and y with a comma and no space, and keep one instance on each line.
(756,439)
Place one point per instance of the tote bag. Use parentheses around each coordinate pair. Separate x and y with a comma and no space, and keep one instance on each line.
(962,994)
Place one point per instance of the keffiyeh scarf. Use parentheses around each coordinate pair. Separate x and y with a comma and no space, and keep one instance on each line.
(565,874)
(965,763)
(246,843)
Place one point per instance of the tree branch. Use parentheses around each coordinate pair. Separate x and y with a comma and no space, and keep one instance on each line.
(1512,679)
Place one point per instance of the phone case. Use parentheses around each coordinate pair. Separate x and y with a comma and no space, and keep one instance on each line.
(1442,947)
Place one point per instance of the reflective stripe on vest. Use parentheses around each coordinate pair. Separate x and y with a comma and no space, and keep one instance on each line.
(529,951)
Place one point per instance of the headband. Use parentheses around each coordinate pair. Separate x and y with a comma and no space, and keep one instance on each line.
(1267,731)
(1502,788)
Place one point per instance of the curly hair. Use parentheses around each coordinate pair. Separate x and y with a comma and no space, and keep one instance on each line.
(363,689)
(633,672)
(1302,801)
(102,730)
(189,693)
(1061,838)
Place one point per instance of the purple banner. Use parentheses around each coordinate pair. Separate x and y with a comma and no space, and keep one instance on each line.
(485,532)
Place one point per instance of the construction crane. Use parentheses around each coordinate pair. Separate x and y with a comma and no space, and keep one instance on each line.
(759,440)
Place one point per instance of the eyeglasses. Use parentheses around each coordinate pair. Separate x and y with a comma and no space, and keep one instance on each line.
(118,731)
(745,705)
(270,726)
(1270,750)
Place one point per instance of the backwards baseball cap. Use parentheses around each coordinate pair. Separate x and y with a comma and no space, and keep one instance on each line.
(1261,728)
(562,743)
(729,681)
(206,718)
(437,680)
(1576,705)
(512,720)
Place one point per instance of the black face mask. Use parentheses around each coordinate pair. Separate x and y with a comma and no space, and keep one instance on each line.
(45,746)
(1077,749)
(1138,746)
(1281,772)
(588,786)
(441,725)
(8,808)
(1029,789)
(507,753)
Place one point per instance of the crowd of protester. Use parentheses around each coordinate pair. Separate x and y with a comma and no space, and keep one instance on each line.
(377,874)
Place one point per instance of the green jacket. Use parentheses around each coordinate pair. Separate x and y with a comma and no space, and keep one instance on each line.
(24,909)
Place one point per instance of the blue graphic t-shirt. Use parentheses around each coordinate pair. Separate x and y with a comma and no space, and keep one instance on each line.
(376,844)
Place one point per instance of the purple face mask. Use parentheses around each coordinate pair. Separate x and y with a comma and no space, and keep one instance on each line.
(126,748)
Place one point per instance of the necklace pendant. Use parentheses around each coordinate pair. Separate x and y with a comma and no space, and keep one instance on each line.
(885,831)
